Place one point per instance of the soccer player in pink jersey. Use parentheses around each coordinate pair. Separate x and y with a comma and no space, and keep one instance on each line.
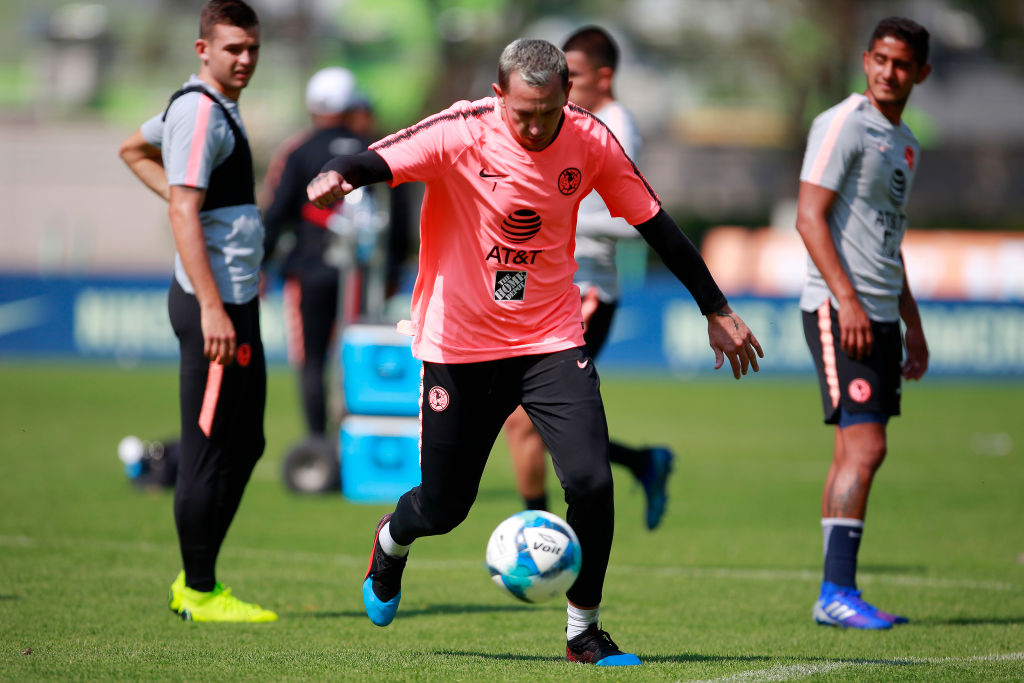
(592,57)
(496,317)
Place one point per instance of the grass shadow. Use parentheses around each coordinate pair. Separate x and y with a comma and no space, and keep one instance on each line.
(647,659)
(972,621)
(430,611)
(683,658)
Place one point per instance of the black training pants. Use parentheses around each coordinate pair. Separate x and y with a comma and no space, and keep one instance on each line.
(315,295)
(221,431)
(463,408)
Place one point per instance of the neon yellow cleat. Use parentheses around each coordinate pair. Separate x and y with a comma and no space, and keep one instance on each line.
(174,594)
(220,605)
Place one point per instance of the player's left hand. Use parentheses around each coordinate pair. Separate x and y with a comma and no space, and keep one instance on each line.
(916,363)
(327,188)
(731,338)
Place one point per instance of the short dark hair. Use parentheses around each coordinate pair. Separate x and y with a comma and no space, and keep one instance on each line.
(907,30)
(597,44)
(229,12)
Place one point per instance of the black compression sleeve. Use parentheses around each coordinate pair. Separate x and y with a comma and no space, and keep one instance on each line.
(360,169)
(682,258)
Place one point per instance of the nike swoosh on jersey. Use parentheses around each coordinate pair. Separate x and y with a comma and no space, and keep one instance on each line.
(485,174)
(582,363)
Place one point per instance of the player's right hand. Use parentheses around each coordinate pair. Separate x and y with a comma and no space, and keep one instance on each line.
(327,188)
(219,340)
(855,336)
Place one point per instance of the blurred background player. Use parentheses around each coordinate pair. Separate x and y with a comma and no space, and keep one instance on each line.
(311,278)
(196,156)
(592,57)
(858,169)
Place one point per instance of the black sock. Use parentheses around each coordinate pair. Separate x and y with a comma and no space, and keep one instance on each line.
(538,503)
(637,460)
(842,542)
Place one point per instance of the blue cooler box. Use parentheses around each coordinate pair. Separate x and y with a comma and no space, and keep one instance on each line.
(380,457)
(379,374)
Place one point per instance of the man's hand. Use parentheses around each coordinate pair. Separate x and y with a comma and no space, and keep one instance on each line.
(327,188)
(219,341)
(855,337)
(916,362)
(730,337)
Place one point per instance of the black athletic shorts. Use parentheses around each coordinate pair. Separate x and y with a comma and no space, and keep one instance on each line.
(869,385)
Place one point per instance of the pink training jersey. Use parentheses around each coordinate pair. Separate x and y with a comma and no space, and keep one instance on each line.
(497,228)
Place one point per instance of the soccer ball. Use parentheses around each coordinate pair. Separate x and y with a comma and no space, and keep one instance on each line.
(534,555)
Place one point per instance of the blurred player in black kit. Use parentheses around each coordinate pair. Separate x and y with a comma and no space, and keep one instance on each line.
(311,281)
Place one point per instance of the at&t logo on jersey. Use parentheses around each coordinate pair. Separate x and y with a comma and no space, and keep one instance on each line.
(893,225)
(898,186)
(507,255)
(521,225)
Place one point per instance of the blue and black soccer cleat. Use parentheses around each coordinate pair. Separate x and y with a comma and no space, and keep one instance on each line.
(655,483)
(595,646)
(382,585)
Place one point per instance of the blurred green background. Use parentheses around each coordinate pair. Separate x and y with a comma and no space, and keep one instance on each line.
(723,92)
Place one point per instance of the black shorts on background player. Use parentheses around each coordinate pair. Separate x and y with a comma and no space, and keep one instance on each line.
(869,385)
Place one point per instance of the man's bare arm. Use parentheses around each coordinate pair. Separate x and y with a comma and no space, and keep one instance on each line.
(146,162)
(219,339)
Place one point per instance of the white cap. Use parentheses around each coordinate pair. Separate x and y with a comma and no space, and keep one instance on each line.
(332,91)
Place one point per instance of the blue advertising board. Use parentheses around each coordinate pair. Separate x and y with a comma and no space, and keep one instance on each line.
(657,328)
(103,317)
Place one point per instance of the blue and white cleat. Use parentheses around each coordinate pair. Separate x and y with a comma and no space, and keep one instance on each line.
(655,483)
(840,606)
(382,585)
(891,618)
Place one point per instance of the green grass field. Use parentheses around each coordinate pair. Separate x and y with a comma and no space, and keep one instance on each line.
(723,591)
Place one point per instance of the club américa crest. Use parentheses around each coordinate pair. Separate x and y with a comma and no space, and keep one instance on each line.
(438,399)
(243,355)
(860,390)
(569,180)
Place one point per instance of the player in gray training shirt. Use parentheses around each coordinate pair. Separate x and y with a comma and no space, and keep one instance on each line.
(857,172)
(870,163)
(196,155)
(233,232)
